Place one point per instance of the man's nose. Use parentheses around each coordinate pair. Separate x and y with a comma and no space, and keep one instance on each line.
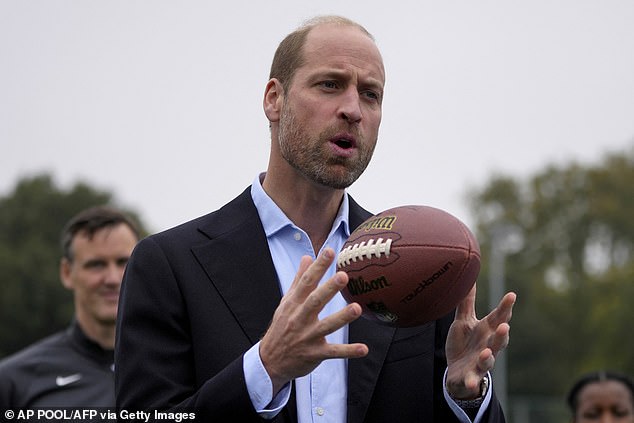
(607,417)
(114,274)
(350,108)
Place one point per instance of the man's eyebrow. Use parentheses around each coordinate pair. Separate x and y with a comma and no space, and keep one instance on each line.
(369,82)
(374,84)
(94,261)
(330,73)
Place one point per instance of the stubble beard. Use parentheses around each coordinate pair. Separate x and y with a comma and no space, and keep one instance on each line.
(309,156)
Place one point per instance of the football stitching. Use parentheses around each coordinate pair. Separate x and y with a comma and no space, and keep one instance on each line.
(355,252)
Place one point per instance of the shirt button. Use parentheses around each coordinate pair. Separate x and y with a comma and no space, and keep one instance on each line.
(320,411)
(298,236)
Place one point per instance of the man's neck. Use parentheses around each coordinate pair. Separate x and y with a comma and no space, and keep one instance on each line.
(309,206)
(101,334)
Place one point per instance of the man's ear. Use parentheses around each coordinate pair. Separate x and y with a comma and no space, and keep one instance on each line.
(65,269)
(273,100)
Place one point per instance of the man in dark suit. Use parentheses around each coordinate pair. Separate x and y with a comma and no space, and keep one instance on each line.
(236,316)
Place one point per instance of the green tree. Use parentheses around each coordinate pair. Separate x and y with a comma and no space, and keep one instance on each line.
(33,303)
(574,275)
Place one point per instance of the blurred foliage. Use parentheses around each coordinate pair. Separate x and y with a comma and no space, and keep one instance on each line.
(574,274)
(33,303)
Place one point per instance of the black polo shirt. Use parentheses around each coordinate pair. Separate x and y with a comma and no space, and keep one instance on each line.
(63,370)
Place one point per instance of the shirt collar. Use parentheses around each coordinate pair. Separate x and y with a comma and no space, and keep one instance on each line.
(274,220)
(89,347)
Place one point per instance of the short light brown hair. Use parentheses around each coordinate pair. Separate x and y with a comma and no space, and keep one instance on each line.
(289,54)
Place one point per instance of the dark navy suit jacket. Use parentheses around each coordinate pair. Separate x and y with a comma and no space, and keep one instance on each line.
(196,297)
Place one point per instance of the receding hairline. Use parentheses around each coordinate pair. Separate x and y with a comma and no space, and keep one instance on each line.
(338,20)
(290,53)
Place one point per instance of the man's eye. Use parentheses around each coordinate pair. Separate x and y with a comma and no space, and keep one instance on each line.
(371,94)
(329,84)
(621,413)
(121,262)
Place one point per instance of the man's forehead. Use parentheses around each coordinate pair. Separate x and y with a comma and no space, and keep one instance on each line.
(336,45)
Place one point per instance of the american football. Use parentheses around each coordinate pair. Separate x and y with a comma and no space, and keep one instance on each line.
(409,265)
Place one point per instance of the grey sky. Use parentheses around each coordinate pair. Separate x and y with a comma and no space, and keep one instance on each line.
(161,101)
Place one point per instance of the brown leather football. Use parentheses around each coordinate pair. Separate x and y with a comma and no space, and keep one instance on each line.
(409,265)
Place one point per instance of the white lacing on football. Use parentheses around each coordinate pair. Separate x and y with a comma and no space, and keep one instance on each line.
(355,252)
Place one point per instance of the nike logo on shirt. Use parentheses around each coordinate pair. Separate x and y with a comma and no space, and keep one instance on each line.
(67,380)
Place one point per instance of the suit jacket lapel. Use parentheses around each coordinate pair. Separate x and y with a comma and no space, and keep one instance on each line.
(364,372)
(238,263)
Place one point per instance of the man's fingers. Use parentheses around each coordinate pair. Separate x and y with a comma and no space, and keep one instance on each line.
(345,351)
(310,273)
(317,299)
(303,265)
(503,312)
(507,302)
(500,338)
(486,361)
(312,297)
(337,320)
(466,308)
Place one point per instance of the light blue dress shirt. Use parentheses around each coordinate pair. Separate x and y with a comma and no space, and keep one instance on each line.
(321,395)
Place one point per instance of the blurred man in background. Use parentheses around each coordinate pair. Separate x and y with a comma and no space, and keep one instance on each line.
(74,368)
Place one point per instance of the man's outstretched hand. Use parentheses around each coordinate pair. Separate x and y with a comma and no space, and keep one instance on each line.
(295,342)
(473,344)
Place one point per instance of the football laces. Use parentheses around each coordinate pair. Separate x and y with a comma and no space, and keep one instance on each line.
(358,252)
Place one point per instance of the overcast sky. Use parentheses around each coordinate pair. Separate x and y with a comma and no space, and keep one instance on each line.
(160,101)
